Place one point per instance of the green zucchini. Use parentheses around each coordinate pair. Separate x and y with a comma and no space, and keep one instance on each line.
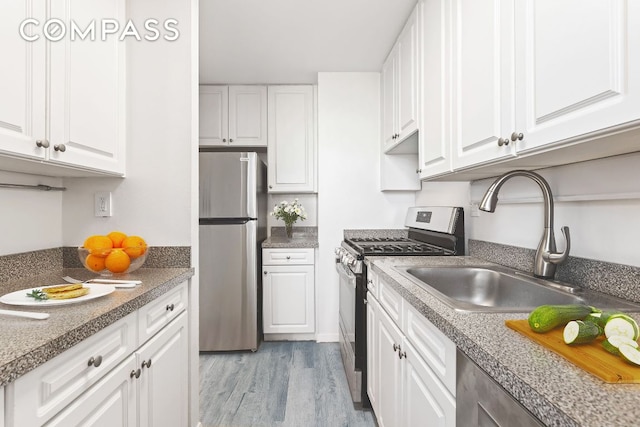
(579,332)
(623,325)
(630,353)
(548,317)
(612,344)
(604,316)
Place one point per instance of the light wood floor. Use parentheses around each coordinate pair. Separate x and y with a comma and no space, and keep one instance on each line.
(282,384)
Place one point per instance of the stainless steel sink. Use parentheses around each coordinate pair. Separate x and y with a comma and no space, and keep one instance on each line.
(499,289)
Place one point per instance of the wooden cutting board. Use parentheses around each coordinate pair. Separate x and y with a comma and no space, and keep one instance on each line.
(590,357)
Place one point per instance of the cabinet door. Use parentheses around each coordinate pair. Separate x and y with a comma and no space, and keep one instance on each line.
(424,396)
(248,115)
(111,402)
(408,78)
(22,81)
(388,100)
(389,339)
(373,380)
(87,93)
(214,115)
(435,136)
(163,382)
(288,299)
(483,80)
(580,62)
(291,143)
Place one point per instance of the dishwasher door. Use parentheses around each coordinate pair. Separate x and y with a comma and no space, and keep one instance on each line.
(482,402)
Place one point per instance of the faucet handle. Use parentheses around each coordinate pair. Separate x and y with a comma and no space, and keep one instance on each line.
(558,258)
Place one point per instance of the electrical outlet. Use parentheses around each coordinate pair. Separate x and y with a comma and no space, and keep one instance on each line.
(102,204)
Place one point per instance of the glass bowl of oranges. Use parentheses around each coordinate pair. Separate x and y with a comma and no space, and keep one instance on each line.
(114,253)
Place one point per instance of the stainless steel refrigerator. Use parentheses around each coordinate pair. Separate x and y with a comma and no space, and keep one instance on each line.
(233,217)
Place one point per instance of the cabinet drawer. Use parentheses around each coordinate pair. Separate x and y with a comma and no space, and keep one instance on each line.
(287,256)
(391,301)
(155,315)
(437,350)
(46,390)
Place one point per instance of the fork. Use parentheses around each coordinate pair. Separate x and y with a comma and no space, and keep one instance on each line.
(114,282)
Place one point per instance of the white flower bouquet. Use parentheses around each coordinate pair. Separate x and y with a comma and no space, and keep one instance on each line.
(289,213)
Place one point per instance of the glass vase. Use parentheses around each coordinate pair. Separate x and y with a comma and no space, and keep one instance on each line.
(289,229)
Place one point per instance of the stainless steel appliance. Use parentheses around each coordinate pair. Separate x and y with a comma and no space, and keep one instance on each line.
(432,231)
(233,210)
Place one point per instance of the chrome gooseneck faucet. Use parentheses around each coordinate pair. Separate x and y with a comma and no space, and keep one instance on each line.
(546,256)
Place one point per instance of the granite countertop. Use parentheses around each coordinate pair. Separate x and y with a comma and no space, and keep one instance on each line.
(27,344)
(553,389)
(303,237)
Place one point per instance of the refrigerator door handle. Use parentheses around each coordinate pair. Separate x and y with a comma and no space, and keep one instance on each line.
(251,182)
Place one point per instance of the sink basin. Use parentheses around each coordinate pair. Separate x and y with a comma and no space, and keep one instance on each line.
(496,289)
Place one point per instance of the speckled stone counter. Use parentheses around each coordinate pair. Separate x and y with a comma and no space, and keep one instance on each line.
(303,237)
(26,343)
(553,389)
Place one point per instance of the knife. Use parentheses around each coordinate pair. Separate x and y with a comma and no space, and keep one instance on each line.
(27,314)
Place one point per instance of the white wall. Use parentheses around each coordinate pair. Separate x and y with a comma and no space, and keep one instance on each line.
(348,191)
(599,201)
(154,200)
(31,220)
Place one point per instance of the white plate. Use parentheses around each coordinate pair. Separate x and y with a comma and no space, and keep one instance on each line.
(21,298)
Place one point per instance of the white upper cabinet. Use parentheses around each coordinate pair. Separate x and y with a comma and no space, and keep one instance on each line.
(233,116)
(292,148)
(400,87)
(62,101)
(434,152)
(580,63)
(22,84)
(87,94)
(483,91)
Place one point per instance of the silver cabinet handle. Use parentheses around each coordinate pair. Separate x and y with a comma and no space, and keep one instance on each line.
(396,347)
(418,170)
(135,373)
(402,354)
(60,147)
(516,136)
(146,363)
(170,307)
(42,143)
(503,141)
(95,361)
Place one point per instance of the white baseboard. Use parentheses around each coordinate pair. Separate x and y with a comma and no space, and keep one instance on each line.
(327,337)
(289,337)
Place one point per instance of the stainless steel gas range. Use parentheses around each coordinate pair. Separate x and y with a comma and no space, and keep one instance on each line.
(431,231)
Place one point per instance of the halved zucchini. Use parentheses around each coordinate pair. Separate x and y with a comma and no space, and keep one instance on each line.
(630,354)
(579,332)
(623,325)
(612,344)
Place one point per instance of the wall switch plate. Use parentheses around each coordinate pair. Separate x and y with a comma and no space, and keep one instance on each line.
(102,204)
(475,209)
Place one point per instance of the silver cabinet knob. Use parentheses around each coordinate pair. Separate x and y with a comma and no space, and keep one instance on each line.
(288,257)
(516,136)
(265,273)
(135,373)
(42,143)
(60,147)
(146,363)
(170,307)
(224,139)
(95,361)
(418,170)
(230,139)
(271,186)
(503,141)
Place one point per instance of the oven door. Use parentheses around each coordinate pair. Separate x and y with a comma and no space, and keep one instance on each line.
(347,309)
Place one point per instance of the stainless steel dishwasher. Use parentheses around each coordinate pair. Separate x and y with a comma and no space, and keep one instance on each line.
(482,402)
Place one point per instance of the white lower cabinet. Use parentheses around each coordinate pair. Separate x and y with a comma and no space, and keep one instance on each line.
(406,385)
(113,378)
(288,291)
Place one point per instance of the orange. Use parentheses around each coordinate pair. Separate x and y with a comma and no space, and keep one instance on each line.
(98,245)
(95,263)
(134,246)
(117,261)
(117,237)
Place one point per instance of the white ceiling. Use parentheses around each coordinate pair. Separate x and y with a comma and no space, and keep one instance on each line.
(290,41)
